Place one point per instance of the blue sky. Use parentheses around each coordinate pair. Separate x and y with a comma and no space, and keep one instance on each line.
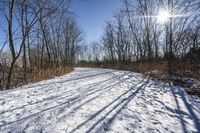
(92,15)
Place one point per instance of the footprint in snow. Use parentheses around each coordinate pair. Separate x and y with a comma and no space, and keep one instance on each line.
(2,122)
(17,114)
(49,118)
(3,103)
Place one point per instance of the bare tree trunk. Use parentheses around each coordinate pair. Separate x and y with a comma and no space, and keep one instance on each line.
(2,77)
(25,63)
(170,54)
(11,44)
(10,74)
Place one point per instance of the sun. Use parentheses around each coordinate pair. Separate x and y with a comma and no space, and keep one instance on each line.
(163,16)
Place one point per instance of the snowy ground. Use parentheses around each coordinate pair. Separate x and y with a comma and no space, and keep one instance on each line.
(99,100)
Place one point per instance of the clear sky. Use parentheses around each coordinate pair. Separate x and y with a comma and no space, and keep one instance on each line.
(92,15)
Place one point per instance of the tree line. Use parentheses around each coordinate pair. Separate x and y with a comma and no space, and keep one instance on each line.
(39,35)
(42,38)
(135,35)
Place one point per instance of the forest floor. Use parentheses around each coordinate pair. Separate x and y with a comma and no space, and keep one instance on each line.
(99,100)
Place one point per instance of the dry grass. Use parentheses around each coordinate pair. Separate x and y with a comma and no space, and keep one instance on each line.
(43,74)
(35,75)
(157,70)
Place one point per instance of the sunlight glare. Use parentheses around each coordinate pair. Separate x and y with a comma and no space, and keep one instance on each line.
(163,16)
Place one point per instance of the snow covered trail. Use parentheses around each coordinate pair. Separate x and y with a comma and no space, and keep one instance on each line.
(99,100)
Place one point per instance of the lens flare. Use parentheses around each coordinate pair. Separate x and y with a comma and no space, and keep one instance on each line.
(163,16)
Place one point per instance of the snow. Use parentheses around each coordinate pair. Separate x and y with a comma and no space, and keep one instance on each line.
(99,100)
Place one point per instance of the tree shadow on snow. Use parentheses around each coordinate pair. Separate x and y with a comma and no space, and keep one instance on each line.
(56,97)
(179,93)
(45,85)
(121,101)
(69,101)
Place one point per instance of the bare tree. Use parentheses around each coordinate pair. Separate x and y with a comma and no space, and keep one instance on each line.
(22,19)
